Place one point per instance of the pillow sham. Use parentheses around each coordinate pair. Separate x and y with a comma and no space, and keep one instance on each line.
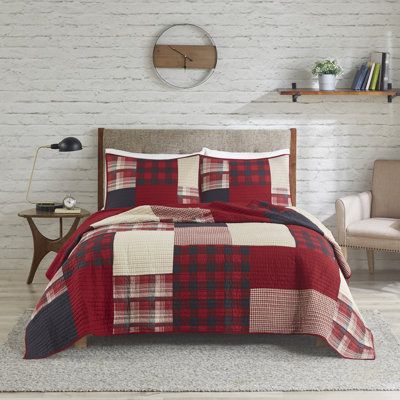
(241,180)
(243,156)
(132,181)
(150,156)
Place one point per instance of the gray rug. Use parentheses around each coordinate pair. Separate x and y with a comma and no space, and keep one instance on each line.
(201,363)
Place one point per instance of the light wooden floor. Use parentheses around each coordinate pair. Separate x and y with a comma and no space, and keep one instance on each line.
(381,291)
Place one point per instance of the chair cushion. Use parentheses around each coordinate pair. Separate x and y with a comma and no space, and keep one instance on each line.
(386,189)
(378,228)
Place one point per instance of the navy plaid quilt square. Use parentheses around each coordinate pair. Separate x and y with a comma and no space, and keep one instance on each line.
(211,289)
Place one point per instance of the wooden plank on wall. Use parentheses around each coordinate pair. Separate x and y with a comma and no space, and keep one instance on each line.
(202,56)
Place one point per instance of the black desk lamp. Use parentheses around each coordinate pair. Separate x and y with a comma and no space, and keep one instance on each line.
(67,144)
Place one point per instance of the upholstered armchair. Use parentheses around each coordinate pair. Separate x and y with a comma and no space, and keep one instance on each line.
(371,220)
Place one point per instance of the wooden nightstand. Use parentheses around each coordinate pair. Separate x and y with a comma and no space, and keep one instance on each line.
(43,245)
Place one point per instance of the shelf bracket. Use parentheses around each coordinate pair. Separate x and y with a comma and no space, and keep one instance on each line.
(391,97)
(296,95)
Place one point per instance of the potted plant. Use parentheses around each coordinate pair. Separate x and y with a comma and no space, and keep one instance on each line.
(326,70)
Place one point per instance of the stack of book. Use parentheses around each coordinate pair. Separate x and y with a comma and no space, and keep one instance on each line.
(373,75)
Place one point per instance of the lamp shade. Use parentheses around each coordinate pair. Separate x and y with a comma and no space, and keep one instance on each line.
(68,144)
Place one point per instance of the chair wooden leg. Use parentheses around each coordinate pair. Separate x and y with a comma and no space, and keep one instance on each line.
(344,251)
(370,257)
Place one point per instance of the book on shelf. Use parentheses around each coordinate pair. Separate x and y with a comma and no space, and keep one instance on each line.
(67,210)
(371,72)
(361,76)
(375,77)
(385,71)
(356,78)
(367,75)
(383,58)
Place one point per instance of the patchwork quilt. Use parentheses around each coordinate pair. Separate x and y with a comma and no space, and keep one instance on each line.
(216,268)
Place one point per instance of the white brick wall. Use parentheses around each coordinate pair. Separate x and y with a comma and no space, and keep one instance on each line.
(67,67)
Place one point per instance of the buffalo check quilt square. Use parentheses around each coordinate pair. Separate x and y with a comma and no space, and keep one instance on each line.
(241,181)
(311,240)
(133,181)
(211,289)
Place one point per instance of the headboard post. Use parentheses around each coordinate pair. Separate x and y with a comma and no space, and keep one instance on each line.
(182,141)
(100,168)
(292,164)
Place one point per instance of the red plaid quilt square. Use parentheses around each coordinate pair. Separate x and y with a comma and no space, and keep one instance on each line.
(55,288)
(214,174)
(142,303)
(121,172)
(211,289)
(119,163)
(281,199)
(349,335)
(187,195)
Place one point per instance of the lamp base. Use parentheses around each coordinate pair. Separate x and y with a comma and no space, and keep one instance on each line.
(47,207)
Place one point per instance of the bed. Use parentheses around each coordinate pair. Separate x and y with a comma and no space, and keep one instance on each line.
(210,264)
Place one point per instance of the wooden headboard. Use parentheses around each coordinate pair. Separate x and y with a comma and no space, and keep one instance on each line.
(190,141)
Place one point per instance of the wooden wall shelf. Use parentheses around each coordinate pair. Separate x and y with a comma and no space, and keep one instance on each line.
(297,92)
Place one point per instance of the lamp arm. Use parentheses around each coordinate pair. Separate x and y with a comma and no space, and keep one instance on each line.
(33,169)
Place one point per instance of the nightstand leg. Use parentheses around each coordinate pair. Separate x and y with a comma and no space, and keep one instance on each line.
(38,255)
(40,249)
(43,245)
(61,228)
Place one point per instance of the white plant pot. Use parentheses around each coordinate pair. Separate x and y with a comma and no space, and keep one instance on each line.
(327,82)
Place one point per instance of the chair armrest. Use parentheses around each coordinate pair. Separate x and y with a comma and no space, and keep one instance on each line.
(351,209)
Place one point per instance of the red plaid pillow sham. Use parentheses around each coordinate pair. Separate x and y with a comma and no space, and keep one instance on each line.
(132,182)
(241,181)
